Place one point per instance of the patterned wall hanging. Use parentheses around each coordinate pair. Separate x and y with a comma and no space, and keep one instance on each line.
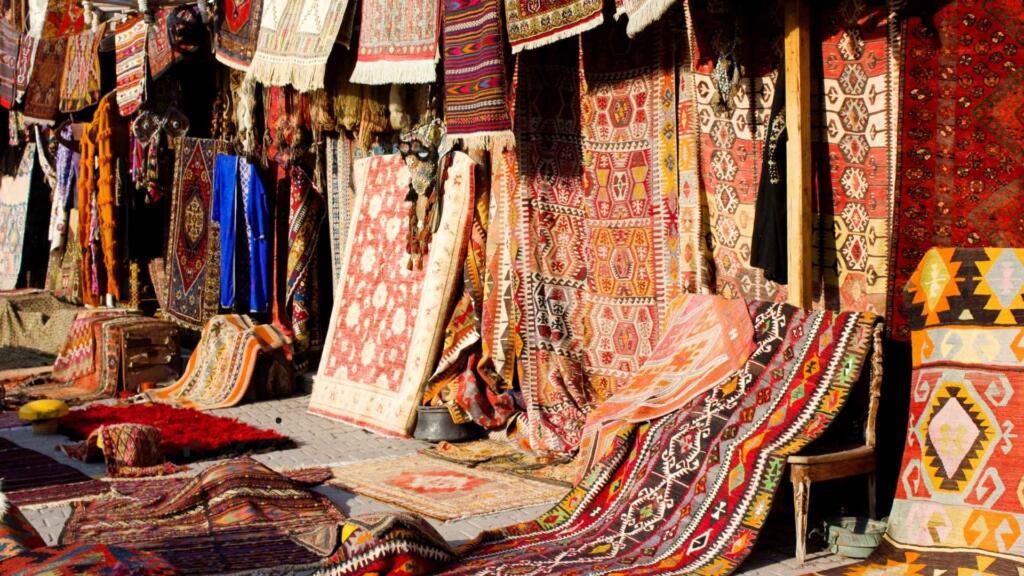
(80,80)
(295,40)
(534,24)
(14,191)
(130,43)
(398,45)
(43,94)
(238,32)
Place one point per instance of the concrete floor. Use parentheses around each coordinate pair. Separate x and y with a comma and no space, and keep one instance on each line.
(321,442)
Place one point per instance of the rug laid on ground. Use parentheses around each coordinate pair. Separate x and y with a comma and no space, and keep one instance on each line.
(597,221)
(295,40)
(31,478)
(503,456)
(238,31)
(687,493)
(441,489)
(235,357)
(956,509)
(14,190)
(236,516)
(186,434)
(398,46)
(535,24)
(388,321)
(193,258)
(956,189)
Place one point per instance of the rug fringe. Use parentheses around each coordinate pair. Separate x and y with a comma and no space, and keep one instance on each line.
(576,30)
(386,72)
(489,140)
(230,63)
(648,13)
(304,77)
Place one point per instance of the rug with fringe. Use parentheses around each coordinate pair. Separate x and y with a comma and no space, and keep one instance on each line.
(295,40)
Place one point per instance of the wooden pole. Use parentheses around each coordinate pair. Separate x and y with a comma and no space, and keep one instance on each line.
(798,152)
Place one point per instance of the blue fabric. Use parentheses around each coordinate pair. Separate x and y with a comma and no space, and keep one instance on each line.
(257,224)
(225,187)
(234,175)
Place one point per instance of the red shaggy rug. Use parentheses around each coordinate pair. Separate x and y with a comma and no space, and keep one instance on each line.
(188,434)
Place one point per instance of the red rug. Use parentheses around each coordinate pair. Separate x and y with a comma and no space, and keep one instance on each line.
(188,434)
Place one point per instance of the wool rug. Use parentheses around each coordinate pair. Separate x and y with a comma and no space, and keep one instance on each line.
(340,192)
(388,320)
(63,18)
(80,80)
(129,450)
(305,219)
(32,478)
(956,189)
(505,457)
(237,32)
(42,97)
(398,544)
(14,192)
(956,508)
(193,255)
(17,535)
(186,434)
(26,58)
(475,91)
(86,560)
(441,489)
(236,516)
(35,321)
(732,122)
(398,46)
(10,44)
(694,258)
(499,318)
(597,221)
(159,52)
(77,356)
(130,42)
(234,355)
(688,492)
(534,24)
(295,40)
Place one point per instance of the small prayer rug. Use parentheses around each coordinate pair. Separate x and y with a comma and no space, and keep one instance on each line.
(10,42)
(475,98)
(130,43)
(238,32)
(43,94)
(955,511)
(14,191)
(32,478)
(388,321)
(296,38)
(80,81)
(398,44)
(224,364)
(340,194)
(504,457)
(193,255)
(441,489)
(159,52)
(534,24)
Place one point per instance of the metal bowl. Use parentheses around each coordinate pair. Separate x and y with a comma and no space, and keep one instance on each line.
(435,424)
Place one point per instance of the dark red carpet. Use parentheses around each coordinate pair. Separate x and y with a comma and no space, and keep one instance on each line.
(188,434)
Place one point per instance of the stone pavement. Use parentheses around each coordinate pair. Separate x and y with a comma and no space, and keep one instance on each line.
(321,442)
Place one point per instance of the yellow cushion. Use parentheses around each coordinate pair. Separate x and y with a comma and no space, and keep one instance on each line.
(42,410)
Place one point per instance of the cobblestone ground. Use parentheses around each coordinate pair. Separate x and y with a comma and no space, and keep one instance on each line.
(322,442)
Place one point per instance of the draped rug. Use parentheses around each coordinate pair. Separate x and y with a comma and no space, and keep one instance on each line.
(295,40)
(962,142)
(159,52)
(597,221)
(130,42)
(43,94)
(305,217)
(500,339)
(129,450)
(382,543)
(10,44)
(193,258)
(503,456)
(225,364)
(237,32)
(80,80)
(35,321)
(32,478)
(688,492)
(475,98)
(14,191)
(26,56)
(236,516)
(442,489)
(535,24)
(957,508)
(388,321)
(398,46)
(338,156)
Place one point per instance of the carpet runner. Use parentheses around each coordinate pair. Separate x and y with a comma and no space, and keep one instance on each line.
(31,478)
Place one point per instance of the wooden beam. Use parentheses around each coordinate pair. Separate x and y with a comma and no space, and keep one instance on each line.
(798,152)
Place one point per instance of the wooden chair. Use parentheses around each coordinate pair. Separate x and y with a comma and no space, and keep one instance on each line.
(805,469)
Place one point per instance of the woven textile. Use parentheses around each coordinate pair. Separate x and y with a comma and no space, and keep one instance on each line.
(388,321)
(238,31)
(17,535)
(32,478)
(35,321)
(338,156)
(503,456)
(224,365)
(26,58)
(500,341)
(10,43)
(86,560)
(398,45)
(688,492)
(130,450)
(159,53)
(640,13)
(385,543)
(130,43)
(193,257)
(77,356)
(80,81)
(956,507)
(236,516)
(63,18)
(962,143)
(305,219)
(441,489)
(598,223)
(14,192)
(295,40)
(43,94)
(475,99)
(534,24)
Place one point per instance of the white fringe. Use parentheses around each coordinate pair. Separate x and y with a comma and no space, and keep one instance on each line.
(388,72)
(567,33)
(304,77)
(490,140)
(648,13)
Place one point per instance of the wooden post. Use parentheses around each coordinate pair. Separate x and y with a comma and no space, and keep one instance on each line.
(798,152)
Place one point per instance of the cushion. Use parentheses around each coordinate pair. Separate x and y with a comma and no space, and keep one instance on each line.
(43,410)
